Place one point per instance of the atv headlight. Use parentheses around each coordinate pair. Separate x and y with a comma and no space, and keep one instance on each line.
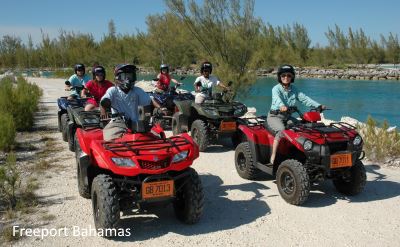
(212,112)
(124,162)
(91,120)
(180,156)
(357,140)
(239,111)
(307,145)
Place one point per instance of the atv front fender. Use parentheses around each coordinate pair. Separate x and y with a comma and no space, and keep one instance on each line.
(181,121)
(184,106)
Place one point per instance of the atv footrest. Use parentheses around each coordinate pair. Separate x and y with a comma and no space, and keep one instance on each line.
(267,168)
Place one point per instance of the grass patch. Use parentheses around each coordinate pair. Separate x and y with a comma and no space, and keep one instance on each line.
(42,165)
(10,214)
(48,217)
(50,147)
(7,234)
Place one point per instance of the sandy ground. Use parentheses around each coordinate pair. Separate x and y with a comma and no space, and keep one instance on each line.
(237,212)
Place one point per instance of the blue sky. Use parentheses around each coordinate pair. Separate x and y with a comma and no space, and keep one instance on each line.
(23,17)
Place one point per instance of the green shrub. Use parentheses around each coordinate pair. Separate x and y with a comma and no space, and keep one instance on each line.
(20,99)
(9,178)
(25,103)
(379,144)
(7,131)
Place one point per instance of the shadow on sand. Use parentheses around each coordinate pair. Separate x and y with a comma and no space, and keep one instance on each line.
(376,189)
(220,212)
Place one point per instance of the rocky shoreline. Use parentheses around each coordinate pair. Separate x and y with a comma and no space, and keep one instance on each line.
(343,74)
(352,72)
(359,72)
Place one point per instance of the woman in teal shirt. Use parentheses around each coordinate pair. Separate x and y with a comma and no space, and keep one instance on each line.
(285,95)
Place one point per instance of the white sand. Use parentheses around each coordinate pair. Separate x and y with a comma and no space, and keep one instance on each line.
(237,212)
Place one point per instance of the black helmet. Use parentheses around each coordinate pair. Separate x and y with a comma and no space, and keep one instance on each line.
(286,68)
(125,76)
(79,66)
(206,65)
(99,70)
(164,66)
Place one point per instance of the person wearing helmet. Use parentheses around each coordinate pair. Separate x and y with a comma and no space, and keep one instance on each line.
(203,84)
(94,66)
(164,80)
(77,81)
(123,98)
(285,95)
(96,87)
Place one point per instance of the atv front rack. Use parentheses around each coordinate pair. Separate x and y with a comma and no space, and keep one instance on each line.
(321,130)
(139,146)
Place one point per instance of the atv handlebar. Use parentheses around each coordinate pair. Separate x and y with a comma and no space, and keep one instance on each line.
(68,83)
(320,108)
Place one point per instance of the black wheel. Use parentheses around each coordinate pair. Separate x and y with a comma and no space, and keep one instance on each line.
(188,204)
(60,127)
(71,138)
(244,161)
(64,127)
(84,190)
(353,182)
(293,182)
(105,204)
(200,135)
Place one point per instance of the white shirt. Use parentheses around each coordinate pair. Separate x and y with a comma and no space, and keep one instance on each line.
(207,83)
(127,103)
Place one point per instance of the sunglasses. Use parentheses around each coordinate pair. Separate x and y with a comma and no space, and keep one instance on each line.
(287,75)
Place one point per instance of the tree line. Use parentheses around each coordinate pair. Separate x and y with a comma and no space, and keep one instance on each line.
(225,32)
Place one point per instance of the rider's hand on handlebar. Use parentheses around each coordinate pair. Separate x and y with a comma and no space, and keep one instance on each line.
(103,114)
(321,108)
(283,108)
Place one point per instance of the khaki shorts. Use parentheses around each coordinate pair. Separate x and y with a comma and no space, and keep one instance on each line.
(199,98)
(114,129)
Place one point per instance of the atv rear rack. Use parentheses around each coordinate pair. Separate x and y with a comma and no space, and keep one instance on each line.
(146,145)
(252,121)
(87,119)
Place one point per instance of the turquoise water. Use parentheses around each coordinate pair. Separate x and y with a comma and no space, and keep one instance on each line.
(357,99)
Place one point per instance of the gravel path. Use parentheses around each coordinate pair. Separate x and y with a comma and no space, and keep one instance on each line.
(237,212)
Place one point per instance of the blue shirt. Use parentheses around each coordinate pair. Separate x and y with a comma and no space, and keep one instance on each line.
(282,97)
(127,103)
(79,82)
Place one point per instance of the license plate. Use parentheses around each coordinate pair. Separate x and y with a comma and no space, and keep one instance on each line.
(341,160)
(157,189)
(228,126)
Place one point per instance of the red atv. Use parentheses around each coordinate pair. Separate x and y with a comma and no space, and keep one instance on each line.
(309,152)
(141,168)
